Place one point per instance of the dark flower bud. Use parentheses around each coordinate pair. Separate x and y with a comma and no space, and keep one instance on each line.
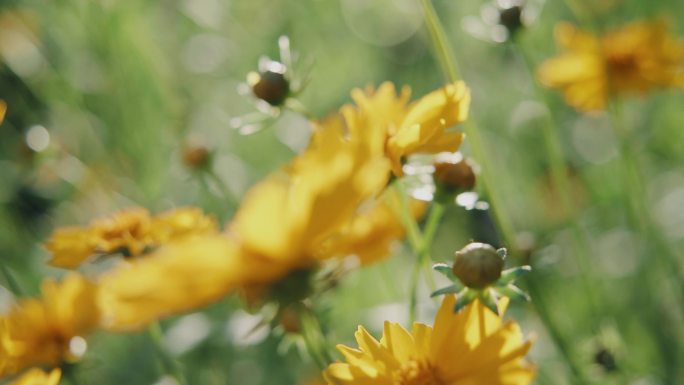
(271,84)
(606,359)
(511,18)
(478,265)
(290,320)
(196,156)
(453,175)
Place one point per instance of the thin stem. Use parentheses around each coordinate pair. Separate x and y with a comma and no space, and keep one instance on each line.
(169,364)
(449,65)
(440,41)
(314,339)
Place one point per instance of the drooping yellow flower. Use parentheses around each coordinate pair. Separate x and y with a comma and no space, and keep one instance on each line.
(279,228)
(373,230)
(176,278)
(418,127)
(39,331)
(472,347)
(132,232)
(630,60)
(37,376)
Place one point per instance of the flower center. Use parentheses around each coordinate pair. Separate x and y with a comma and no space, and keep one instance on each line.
(417,373)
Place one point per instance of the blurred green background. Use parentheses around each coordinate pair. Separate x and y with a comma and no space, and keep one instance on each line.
(104,97)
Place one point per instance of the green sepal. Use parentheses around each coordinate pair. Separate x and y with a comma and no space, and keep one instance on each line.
(490,298)
(510,275)
(453,289)
(464,297)
(444,269)
(513,292)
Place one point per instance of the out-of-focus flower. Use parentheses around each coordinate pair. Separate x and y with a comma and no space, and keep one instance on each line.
(37,376)
(40,331)
(278,231)
(372,231)
(630,60)
(131,232)
(175,278)
(502,20)
(270,84)
(419,127)
(473,346)
(3,110)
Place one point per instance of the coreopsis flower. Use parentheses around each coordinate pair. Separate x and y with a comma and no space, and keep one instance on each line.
(176,278)
(37,376)
(418,127)
(474,346)
(131,232)
(373,230)
(278,231)
(632,59)
(40,331)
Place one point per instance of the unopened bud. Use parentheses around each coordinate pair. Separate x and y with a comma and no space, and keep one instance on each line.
(510,16)
(478,265)
(196,157)
(453,174)
(289,320)
(270,85)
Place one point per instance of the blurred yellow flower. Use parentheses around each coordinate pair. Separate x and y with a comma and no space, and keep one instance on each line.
(176,278)
(373,230)
(37,376)
(41,331)
(288,216)
(132,232)
(279,228)
(472,347)
(3,110)
(630,60)
(418,127)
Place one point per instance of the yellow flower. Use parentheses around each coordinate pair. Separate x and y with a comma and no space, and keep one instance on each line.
(132,232)
(3,110)
(630,60)
(39,331)
(176,278)
(279,228)
(472,347)
(419,127)
(37,376)
(373,230)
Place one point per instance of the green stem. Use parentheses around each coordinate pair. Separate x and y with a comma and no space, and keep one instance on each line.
(449,65)
(314,339)
(169,364)
(504,222)
(421,243)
